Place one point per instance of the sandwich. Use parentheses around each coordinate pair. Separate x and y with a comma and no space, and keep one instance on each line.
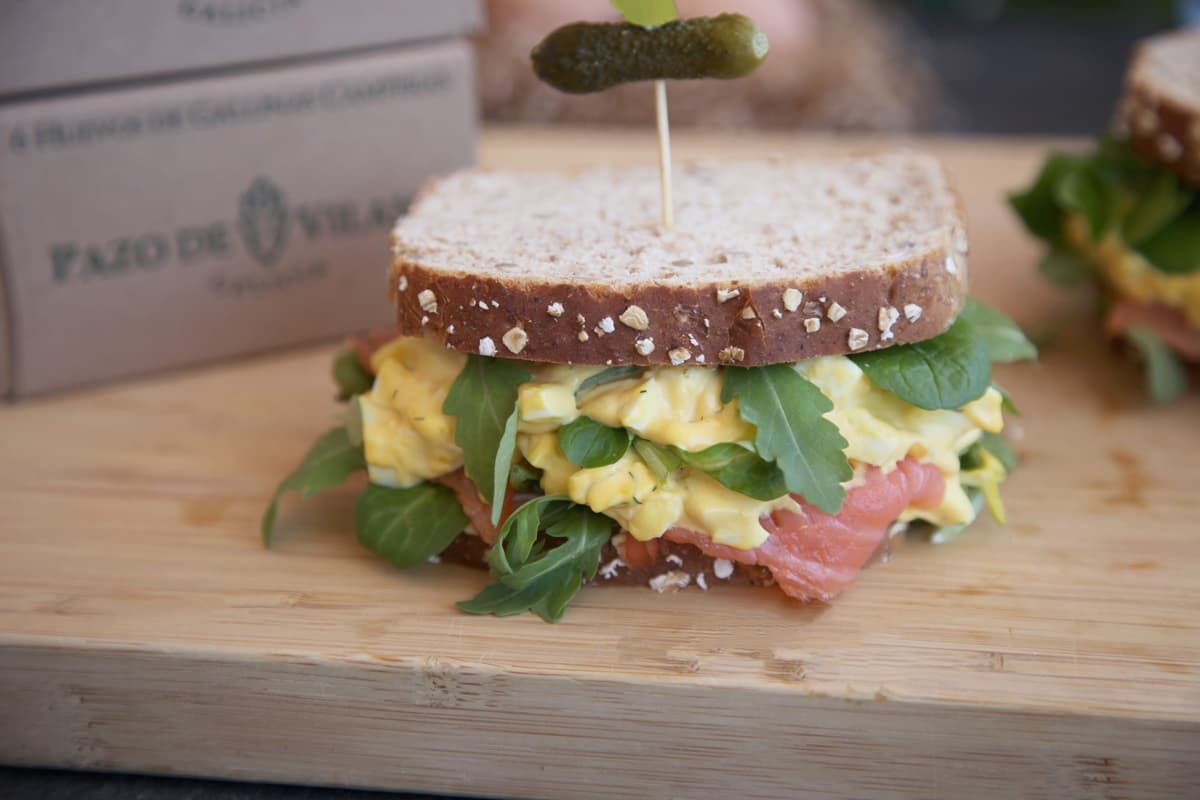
(761,395)
(1125,217)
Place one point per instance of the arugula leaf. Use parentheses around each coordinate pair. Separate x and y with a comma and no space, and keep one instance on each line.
(788,413)
(524,477)
(947,371)
(517,536)
(328,463)
(350,375)
(583,533)
(647,13)
(1038,206)
(352,418)
(661,460)
(505,450)
(1113,187)
(483,402)
(1175,249)
(500,600)
(999,447)
(1166,378)
(737,468)
(1093,193)
(1122,160)
(1160,202)
(730,464)
(1005,342)
(407,526)
(586,443)
(542,581)
(608,375)
(1066,268)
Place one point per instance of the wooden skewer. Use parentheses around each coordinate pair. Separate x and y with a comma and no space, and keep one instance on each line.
(664,153)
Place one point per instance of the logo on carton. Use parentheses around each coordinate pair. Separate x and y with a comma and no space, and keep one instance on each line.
(233,12)
(263,221)
(266,227)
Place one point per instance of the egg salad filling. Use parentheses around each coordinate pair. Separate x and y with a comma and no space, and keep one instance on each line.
(408,438)
(797,470)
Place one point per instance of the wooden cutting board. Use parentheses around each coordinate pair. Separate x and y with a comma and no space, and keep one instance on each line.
(143,627)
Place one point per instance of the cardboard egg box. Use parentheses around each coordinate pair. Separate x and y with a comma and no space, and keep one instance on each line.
(188,181)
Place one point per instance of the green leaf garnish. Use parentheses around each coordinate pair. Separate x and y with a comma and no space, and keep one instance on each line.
(1093,193)
(647,13)
(518,535)
(1113,188)
(407,526)
(351,376)
(730,464)
(583,532)
(1175,249)
(1038,206)
(503,464)
(1163,199)
(660,459)
(998,446)
(740,469)
(608,375)
(1166,378)
(524,477)
(788,413)
(587,443)
(352,418)
(328,463)
(542,580)
(1066,268)
(546,598)
(483,402)
(1004,341)
(947,371)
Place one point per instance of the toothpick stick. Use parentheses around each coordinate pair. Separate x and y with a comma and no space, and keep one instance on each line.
(664,153)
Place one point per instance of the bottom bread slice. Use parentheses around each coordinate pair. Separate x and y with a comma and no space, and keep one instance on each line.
(676,567)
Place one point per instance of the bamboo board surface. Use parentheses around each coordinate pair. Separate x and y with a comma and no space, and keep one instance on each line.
(143,627)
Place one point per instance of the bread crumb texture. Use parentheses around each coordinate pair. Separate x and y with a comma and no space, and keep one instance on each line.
(601,226)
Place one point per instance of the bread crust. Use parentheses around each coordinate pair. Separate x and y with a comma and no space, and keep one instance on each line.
(674,559)
(705,324)
(1161,126)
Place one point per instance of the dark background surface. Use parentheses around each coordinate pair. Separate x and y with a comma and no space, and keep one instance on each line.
(1027,68)
(1033,73)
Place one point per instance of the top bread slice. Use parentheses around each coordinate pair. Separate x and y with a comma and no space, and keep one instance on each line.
(769,261)
(1161,109)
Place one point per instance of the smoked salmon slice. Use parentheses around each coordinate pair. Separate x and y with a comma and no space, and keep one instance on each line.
(479,512)
(1167,323)
(816,556)
(812,555)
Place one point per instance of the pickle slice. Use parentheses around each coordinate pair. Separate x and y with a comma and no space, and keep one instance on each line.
(586,57)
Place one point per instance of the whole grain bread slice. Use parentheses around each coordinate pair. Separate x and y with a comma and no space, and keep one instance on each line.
(770,261)
(676,566)
(1160,111)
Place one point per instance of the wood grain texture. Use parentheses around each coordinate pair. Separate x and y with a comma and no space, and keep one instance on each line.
(142,627)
